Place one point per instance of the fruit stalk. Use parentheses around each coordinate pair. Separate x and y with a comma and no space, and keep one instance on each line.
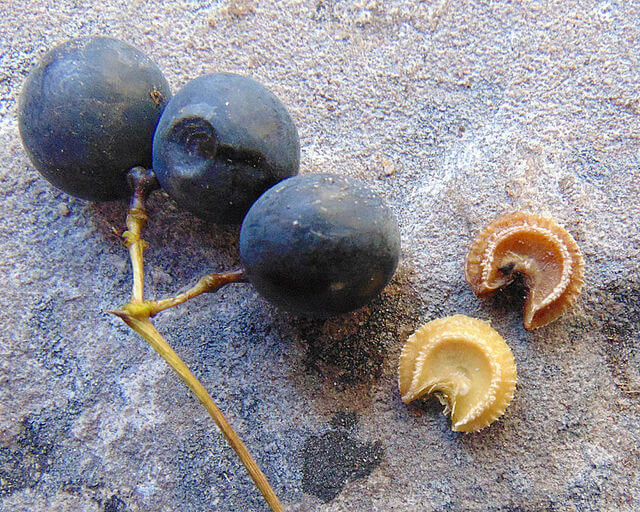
(136,219)
(145,328)
(207,284)
(136,314)
(142,181)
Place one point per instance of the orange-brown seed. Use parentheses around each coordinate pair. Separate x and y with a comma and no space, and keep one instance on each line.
(536,248)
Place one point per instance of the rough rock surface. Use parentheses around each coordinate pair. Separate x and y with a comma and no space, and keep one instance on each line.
(456,111)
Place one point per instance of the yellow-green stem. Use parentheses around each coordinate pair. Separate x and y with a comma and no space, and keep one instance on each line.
(136,220)
(137,312)
(207,284)
(145,328)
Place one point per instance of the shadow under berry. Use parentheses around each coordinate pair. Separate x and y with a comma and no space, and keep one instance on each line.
(358,348)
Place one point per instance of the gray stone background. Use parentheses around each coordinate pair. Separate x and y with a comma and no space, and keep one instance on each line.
(456,111)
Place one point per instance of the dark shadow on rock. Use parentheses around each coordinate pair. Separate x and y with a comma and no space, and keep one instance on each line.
(335,458)
(354,348)
(24,465)
(115,504)
(511,298)
(428,410)
(427,405)
(620,302)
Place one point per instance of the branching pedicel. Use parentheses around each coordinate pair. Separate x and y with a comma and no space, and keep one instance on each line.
(138,312)
(315,243)
(343,224)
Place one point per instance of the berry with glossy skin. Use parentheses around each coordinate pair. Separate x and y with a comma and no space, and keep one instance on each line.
(87,113)
(319,243)
(221,142)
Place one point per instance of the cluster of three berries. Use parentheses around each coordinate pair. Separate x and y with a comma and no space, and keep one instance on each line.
(224,148)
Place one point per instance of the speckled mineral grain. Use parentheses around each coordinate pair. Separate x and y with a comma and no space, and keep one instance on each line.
(455,112)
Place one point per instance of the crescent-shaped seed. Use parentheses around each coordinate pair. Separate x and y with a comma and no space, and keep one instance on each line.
(536,248)
(466,364)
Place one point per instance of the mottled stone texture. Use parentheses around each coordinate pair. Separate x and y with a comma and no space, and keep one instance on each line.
(456,112)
